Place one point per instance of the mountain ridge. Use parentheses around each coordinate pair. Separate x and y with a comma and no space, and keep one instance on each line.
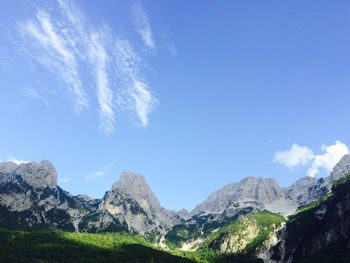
(30,197)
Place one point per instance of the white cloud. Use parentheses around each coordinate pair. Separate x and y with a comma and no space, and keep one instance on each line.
(69,46)
(100,172)
(63,180)
(52,50)
(296,156)
(99,59)
(11,158)
(32,93)
(95,175)
(304,156)
(329,158)
(142,24)
(128,67)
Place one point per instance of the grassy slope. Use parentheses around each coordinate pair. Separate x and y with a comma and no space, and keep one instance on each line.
(19,246)
(265,221)
(51,246)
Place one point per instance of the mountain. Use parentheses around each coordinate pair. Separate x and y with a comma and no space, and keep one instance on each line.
(249,196)
(267,194)
(130,206)
(318,232)
(30,198)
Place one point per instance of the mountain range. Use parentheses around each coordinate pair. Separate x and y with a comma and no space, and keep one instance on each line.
(31,199)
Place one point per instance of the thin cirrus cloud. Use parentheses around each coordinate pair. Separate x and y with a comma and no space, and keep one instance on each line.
(298,156)
(51,49)
(69,46)
(142,24)
(129,66)
(32,93)
(95,175)
(64,180)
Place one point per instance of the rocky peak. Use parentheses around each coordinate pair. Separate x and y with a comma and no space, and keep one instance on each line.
(299,191)
(128,181)
(262,190)
(341,169)
(38,175)
(135,186)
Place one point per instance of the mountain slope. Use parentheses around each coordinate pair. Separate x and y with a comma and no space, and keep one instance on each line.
(17,246)
(320,232)
(30,198)
(132,207)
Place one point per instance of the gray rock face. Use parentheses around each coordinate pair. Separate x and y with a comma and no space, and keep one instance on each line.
(135,187)
(30,197)
(323,230)
(298,192)
(267,194)
(242,194)
(131,206)
(38,175)
(341,169)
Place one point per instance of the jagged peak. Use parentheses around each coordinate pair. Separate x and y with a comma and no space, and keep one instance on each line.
(38,175)
(252,179)
(135,186)
(304,181)
(128,180)
(341,169)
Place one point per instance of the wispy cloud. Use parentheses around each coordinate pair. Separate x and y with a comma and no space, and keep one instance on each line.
(64,180)
(99,59)
(95,175)
(129,67)
(100,172)
(142,24)
(52,50)
(11,158)
(304,156)
(69,46)
(33,93)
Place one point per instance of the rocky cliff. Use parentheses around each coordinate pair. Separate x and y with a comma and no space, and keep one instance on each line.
(130,206)
(248,196)
(30,198)
(319,232)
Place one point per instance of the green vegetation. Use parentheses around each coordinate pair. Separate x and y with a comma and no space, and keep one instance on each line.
(203,227)
(53,246)
(265,222)
(311,205)
(19,246)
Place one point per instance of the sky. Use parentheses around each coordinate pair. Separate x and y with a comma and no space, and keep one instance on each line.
(193,95)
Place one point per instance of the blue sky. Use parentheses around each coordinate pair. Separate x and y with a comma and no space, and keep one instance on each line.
(191,94)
